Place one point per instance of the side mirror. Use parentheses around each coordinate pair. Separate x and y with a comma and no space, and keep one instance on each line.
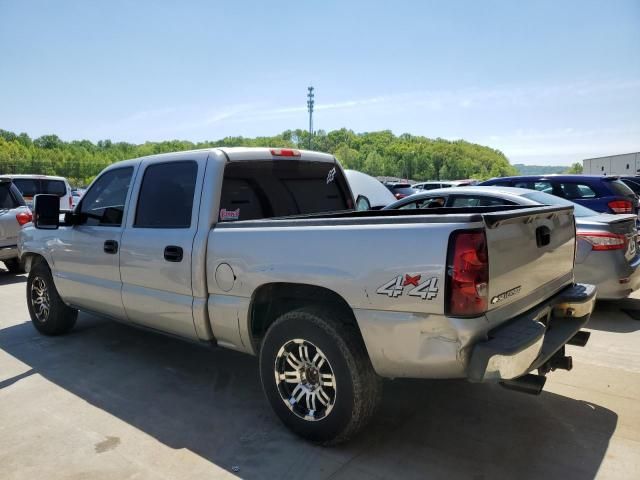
(362,203)
(46,211)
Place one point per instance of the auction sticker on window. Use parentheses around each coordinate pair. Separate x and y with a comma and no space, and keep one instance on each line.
(229,214)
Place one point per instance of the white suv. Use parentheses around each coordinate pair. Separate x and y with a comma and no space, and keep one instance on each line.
(32,185)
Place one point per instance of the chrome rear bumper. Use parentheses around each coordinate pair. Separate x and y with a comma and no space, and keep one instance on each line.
(527,342)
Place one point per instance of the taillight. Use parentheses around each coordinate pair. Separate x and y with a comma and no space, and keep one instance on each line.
(621,206)
(468,274)
(285,152)
(399,195)
(24,218)
(70,201)
(604,241)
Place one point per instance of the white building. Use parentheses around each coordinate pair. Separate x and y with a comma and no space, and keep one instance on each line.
(625,164)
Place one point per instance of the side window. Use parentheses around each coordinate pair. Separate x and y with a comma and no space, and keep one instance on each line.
(433,202)
(103,204)
(408,206)
(576,190)
(7,199)
(166,195)
(465,202)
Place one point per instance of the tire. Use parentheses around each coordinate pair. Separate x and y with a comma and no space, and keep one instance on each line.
(14,265)
(333,402)
(58,318)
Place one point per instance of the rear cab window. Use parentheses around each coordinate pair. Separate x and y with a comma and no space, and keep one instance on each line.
(277,188)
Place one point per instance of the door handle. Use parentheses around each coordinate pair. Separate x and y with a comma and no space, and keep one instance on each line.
(173,253)
(110,246)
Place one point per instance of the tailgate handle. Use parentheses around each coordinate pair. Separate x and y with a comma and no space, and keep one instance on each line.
(543,236)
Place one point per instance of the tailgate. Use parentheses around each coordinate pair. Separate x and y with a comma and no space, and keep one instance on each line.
(530,249)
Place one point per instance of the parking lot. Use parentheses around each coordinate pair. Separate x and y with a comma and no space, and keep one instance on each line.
(111,401)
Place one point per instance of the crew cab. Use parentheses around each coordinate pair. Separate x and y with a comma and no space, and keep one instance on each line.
(259,250)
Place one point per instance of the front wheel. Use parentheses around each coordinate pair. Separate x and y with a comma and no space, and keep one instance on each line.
(49,314)
(317,375)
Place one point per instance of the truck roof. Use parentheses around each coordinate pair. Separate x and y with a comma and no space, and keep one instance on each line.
(234,154)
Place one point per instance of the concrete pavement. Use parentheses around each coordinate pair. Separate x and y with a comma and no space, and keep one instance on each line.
(112,402)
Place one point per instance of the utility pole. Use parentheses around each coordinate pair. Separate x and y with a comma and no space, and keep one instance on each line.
(310,103)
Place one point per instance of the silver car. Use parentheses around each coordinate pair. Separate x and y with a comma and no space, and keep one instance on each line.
(606,254)
(13,214)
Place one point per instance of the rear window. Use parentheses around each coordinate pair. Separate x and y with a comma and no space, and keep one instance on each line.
(28,186)
(8,199)
(34,186)
(576,190)
(263,189)
(620,188)
(546,199)
(633,185)
(53,187)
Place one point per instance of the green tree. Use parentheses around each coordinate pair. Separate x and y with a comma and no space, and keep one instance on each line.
(575,168)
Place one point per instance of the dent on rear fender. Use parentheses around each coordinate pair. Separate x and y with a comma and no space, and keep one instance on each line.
(417,345)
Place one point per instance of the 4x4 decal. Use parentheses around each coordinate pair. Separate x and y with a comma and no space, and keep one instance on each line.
(427,289)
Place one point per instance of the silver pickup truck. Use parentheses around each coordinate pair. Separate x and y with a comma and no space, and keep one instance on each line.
(259,250)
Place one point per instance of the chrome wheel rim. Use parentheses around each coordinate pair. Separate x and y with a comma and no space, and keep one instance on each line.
(40,299)
(305,380)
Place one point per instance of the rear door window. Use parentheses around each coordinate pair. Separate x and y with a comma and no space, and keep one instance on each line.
(166,195)
(264,189)
(478,201)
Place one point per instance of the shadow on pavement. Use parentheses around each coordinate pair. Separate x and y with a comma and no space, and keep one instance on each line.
(7,278)
(210,401)
(613,318)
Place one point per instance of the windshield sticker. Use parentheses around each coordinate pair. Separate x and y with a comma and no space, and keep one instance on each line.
(331,175)
(229,214)
(427,289)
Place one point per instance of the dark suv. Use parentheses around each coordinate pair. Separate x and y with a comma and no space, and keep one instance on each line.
(602,194)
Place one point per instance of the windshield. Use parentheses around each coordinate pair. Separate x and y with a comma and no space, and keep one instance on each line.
(546,199)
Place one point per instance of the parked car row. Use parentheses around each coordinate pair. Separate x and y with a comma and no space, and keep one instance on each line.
(606,211)
(606,250)
(16,201)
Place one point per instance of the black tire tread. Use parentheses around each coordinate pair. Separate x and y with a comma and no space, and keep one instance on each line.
(62,318)
(14,265)
(367,385)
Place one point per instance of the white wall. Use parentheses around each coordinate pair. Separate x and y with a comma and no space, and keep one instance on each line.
(626,164)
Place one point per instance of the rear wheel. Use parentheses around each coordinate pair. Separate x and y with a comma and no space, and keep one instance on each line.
(49,314)
(317,375)
(14,265)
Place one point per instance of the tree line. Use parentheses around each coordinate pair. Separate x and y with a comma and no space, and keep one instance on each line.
(376,153)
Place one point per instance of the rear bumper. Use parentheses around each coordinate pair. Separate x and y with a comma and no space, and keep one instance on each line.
(8,252)
(528,341)
(605,270)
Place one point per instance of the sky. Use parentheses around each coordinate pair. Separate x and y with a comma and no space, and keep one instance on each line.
(545,82)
